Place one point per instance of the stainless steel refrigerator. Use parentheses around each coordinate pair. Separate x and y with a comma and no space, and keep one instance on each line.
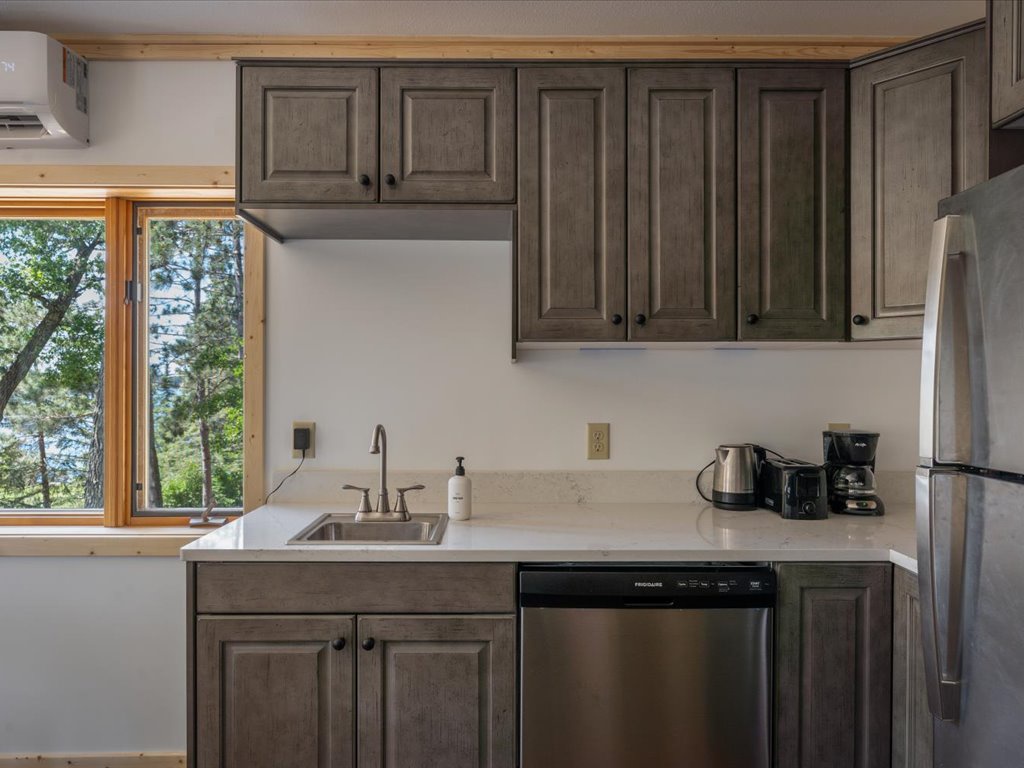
(970,482)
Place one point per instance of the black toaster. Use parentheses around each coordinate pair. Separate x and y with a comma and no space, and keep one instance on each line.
(795,489)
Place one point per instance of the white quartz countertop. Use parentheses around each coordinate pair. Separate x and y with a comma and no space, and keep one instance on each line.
(607,532)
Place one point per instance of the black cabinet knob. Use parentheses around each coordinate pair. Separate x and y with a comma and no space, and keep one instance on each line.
(389,179)
(640,319)
(364,180)
(860,320)
(368,644)
(616,319)
(752,319)
(338,643)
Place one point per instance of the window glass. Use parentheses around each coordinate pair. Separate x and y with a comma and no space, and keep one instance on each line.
(189,432)
(51,363)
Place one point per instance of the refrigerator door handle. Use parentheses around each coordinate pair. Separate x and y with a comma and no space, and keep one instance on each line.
(945,369)
(941,535)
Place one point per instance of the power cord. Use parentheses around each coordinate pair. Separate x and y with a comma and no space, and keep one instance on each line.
(290,474)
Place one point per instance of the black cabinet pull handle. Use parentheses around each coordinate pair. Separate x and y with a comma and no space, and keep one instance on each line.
(616,319)
(640,319)
(752,319)
(364,180)
(368,644)
(860,320)
(338,643)
(389,179)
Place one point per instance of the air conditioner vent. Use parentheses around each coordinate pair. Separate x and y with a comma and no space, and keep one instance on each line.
(22,127)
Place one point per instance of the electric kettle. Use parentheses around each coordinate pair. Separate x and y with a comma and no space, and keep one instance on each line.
(735,479)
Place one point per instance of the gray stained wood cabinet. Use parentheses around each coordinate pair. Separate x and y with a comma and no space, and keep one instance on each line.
(274,691)
(792,203)
(572,204)
(436,690)
(1006,30)
(833,665)
(447,134)
(275,683)
(918,134)
(307,134)
(911,718)
(682,206)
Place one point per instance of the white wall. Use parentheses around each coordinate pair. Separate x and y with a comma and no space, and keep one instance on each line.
(92,655)
(415,335)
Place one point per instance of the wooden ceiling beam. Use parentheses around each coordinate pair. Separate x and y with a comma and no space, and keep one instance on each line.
(382,48)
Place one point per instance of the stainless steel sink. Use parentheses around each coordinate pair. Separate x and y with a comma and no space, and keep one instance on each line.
(344,529)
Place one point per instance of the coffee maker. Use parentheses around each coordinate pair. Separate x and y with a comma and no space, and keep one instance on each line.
(850,471)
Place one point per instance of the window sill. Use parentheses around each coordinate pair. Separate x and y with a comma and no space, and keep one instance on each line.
(76,541)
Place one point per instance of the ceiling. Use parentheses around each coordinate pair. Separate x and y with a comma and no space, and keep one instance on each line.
(489,17)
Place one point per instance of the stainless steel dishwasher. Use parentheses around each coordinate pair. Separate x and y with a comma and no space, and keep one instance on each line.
(646,666)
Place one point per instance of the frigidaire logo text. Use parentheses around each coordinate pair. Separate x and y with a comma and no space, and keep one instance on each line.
(647,584)
(8,66)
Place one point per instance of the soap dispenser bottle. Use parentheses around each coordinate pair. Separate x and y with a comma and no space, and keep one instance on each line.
(460,493)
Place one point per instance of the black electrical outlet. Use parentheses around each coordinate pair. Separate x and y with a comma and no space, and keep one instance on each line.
(300,439)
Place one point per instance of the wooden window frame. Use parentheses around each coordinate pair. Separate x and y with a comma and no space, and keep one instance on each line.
(118,213)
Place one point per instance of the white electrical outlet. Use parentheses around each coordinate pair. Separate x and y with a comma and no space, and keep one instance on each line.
(598,441)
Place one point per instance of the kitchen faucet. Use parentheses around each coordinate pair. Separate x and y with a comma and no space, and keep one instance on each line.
(383,513)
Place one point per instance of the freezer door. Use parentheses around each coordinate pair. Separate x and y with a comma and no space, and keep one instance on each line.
(971,566)
(972,397)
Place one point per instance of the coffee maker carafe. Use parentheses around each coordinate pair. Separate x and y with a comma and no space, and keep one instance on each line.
(850,470)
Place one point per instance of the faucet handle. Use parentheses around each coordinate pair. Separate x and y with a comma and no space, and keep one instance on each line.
(401,506)
(364,501)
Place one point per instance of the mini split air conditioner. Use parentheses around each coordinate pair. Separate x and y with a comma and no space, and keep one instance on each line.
(44,93)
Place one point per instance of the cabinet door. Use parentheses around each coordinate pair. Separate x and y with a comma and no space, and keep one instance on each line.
(918,135)
(437,690)
(307,134)
(682,204)
(911,718)
(447,134)
(792,209)
(274,691)
(833,662)
(572,204)
(1006,23)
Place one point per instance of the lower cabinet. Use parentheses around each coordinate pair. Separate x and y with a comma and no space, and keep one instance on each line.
(276,691)
(833,665)
(911,718)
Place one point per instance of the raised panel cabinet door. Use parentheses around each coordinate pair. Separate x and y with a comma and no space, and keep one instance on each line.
(274,691)
(682,204)
(572,204)
(918,135)
(307,134)
(448,134)
(833,665)
(437,691)
(792,204)
(1006,23)
(911,718)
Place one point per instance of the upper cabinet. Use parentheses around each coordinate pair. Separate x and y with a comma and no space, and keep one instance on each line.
(918,134)
(682,204)
(1006,22)
(447,134)
(307,134)
(792,212)
(572,203)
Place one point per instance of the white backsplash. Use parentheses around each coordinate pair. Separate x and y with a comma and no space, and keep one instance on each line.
(322,486)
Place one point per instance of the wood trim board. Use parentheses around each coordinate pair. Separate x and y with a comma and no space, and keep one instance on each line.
(128,176)
(102,543)
(115,760)
(466,47)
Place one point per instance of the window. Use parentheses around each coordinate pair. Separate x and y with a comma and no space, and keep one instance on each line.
(189,375)
(52,295)
(131,361)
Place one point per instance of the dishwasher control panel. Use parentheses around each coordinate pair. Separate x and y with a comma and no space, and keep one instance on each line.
(644,586)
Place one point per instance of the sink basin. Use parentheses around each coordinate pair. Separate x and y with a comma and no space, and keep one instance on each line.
(344,529)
